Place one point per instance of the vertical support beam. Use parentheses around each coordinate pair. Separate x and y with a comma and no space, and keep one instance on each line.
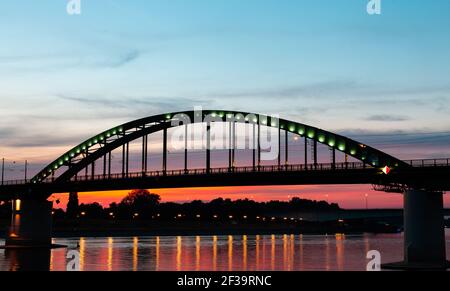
(186,148)
(92,170)
(208,147)
(259,144)
(279,146)
(254,147)
(233,151)
(86,173)
(306,152)
(143,155)
(128,159)
(315,153)
(146,154)
(230,145)
(109,165)
(3,170)
(333,158)
(104,166)
(286,148)
(123,161)
(165,151)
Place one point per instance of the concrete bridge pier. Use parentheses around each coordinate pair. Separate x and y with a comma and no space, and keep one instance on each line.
(424,232)
(31,224)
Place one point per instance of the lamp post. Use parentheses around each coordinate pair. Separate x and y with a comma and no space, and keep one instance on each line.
(3,169)
(26,170)
(367,201)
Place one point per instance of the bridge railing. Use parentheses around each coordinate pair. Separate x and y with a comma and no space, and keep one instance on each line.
(248,169)
(15,182)
(215,171)
(429,163)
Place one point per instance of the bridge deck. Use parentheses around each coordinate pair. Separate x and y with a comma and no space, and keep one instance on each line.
(435,176)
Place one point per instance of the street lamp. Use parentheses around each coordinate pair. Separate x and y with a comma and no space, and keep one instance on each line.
(3,169)
(367,201)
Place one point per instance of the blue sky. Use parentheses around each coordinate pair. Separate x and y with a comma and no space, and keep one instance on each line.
(327,63)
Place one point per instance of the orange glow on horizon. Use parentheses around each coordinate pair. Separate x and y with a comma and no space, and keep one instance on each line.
(347,196)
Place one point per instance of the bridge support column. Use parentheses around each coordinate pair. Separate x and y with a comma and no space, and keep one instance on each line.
(31,224)
(208,148)
(424,236)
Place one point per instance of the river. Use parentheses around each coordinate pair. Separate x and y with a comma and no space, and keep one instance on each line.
(211,253)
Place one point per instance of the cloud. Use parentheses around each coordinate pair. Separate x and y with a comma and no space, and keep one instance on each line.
(124,59)
(149,103)
(63,61)
(387,118)
(6,132)
(115,110)
(18,137)
(347,90)
(43,140)
(405,144)
(287,92)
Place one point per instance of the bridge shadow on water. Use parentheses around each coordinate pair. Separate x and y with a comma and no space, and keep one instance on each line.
(26,259)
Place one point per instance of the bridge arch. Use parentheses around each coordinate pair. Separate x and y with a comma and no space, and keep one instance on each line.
(87,152)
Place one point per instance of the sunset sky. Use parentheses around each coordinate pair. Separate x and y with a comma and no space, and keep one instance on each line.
(382,79)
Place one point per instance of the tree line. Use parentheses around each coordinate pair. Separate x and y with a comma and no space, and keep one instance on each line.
(141,204)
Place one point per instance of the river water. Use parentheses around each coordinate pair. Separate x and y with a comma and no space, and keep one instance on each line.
(211,253)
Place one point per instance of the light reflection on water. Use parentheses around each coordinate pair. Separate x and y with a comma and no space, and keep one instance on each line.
(214,253)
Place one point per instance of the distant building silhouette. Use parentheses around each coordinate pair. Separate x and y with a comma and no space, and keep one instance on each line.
(72,205)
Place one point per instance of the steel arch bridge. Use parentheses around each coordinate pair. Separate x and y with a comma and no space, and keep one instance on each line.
(100,145)
(63,174)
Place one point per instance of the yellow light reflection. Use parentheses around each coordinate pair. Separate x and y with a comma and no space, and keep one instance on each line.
(272,253)
(257,252)
(135,253)
(197,253)
(157,253)
(285,252)
(51,260)
(244,252)
(230,253)
(82,252)
(214,253)
(110,253)
(179,249)
(340,238)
